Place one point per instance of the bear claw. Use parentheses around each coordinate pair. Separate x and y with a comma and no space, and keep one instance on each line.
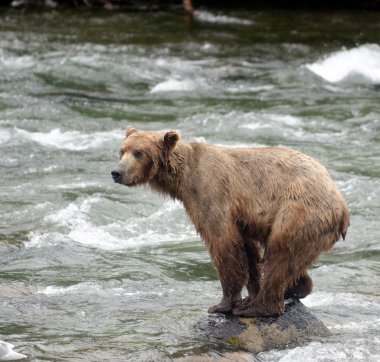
(220,309)
(252,308)
(252,312)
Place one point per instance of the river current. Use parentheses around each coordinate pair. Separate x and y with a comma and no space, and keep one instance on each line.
(93,271)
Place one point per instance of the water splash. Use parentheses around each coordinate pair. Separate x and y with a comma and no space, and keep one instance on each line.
(208,17)
(70,140)
(76,223)
(361,64)
(8,354)
(175,85)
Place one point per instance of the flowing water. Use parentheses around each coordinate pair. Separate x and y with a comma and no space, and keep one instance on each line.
(93,271)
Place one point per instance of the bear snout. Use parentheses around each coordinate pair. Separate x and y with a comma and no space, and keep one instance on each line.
(117,175)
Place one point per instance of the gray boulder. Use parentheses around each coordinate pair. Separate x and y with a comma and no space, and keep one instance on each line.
(295,327)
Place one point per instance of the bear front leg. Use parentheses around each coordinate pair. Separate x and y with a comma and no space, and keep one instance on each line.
(252,249)
(226,304)
(231,264)
(270,298)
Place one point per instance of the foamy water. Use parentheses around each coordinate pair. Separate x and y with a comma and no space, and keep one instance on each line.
(319,299)
(209,17)
(70,140)
(360,64)
(175,85)
(100,290)
(9,62)
(8,354)
(116,234)
(325,352)
(4,136)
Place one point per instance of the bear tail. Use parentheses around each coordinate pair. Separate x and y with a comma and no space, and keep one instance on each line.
(345,223)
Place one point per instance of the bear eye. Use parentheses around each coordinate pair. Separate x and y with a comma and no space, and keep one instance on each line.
(137,154)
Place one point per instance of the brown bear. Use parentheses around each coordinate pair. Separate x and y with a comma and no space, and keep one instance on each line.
(265,214)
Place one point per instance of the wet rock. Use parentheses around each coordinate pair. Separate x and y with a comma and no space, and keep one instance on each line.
(295,327)
(238,356)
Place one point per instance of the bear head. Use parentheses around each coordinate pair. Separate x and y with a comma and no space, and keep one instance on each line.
(143,155)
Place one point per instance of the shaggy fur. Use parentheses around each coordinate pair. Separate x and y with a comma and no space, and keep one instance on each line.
(265,214)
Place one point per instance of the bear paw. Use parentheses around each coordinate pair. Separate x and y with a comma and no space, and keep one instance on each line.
(252,309)
(220,308)
(224,306)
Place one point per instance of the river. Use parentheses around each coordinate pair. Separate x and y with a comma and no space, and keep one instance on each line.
(93,271)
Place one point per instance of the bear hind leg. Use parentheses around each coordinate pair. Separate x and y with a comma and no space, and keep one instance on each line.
(301,288)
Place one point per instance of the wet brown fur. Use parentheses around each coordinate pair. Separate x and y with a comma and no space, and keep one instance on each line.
(265,214)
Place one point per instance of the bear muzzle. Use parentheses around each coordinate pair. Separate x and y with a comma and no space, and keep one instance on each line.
(124,177)
(117,175)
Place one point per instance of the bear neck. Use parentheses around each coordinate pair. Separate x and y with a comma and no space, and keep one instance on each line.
(171,176)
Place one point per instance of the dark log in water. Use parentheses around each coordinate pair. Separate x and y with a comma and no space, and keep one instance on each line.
(295,327)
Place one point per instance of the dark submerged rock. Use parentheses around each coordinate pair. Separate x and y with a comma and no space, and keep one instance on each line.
(295,327)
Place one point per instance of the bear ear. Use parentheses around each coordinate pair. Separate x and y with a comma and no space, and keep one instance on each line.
(130,130)
(170,139)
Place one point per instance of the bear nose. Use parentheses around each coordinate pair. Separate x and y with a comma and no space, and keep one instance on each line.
(116,175)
